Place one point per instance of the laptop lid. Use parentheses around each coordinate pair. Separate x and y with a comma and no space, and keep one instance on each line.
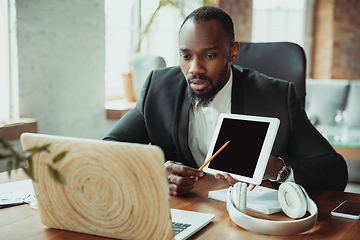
(113,189)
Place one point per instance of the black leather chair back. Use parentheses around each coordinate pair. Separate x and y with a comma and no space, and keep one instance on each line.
(282,60)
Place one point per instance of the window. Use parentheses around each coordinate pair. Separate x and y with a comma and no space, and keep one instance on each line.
(284,20)
(118,35)
(123,20)
(9,103)
(278,20)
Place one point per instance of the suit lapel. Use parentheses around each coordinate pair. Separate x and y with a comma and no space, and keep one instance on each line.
(183,130)
(237,94)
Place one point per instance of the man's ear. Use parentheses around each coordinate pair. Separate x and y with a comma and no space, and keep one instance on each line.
(234,51)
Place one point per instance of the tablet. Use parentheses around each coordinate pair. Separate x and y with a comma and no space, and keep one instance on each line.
(251,141)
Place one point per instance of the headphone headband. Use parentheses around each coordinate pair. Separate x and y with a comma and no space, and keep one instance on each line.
(269,227)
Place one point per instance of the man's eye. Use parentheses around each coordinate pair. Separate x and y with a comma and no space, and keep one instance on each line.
(185,57)
(210,56)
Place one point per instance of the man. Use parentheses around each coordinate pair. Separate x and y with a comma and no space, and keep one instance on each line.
(179,107)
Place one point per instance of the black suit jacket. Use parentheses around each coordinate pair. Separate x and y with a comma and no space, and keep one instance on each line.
(161,117)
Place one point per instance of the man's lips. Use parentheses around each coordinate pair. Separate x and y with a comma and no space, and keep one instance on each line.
(198,84)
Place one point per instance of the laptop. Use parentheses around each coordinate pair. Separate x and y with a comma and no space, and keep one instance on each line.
(113,189)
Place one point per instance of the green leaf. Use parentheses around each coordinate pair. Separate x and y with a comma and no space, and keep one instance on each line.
(9,167)
(38,149)
(17,163)
(44,148)
(9,155)
(56,175)
(29,170)
(28,154)
(5,143)
(60,156)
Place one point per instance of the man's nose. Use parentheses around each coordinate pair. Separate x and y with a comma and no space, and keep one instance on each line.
(196,67)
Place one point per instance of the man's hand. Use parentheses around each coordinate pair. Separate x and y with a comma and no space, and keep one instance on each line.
(228,178)
(181,178)
(273,167)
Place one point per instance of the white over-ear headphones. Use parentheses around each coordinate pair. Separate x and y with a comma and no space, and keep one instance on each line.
(293,200)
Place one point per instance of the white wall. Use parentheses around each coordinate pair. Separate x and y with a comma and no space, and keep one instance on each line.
(61,51)
(4,62)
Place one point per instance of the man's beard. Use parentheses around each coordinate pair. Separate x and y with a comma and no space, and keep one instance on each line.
(203,100)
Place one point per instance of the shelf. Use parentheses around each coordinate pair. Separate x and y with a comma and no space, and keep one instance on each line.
(115,109)
(12,129)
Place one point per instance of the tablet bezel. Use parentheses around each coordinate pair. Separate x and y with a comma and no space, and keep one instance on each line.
(264,153)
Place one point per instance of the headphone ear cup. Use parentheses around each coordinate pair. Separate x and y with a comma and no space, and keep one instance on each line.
(239,196)
(292,200)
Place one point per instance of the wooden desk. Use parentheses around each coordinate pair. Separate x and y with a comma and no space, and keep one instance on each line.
(22,222)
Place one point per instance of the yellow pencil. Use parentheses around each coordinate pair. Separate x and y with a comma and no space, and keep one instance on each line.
(212,157)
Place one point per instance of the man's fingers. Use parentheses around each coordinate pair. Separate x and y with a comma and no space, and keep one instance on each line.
(219,176)
(228,178)
(225,177)
(180,180)
(181,169)
(179,185)
(178,190)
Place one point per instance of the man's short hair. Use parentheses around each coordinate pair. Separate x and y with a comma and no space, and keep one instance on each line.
(208,13)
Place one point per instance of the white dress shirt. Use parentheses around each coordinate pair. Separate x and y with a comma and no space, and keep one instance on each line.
(203,120)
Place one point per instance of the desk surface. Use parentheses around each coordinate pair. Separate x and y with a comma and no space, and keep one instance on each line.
(22,222)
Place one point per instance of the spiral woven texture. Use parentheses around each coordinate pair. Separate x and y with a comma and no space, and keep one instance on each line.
(110,191)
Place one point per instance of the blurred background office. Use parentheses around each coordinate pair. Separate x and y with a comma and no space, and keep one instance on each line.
(66,65)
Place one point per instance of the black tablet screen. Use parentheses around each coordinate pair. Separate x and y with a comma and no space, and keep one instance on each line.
(242,153)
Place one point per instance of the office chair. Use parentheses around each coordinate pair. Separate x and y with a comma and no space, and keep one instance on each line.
(324,98)
(282,60)
(143,64)
(354,178)
(352,105)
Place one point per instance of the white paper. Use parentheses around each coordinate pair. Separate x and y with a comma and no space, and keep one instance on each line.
(16,192)
(261,199)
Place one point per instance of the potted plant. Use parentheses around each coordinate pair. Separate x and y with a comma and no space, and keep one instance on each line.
(17,159)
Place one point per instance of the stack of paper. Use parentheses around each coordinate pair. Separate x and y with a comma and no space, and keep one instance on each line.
(261,199)
(15,193)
